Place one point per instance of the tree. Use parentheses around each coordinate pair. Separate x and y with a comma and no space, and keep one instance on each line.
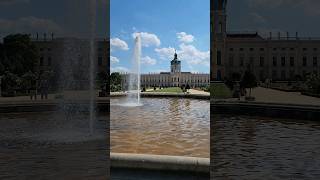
(9,83)
(115,81)
(187,87)
(18,54)
(102,78)
(248,80)
(28,80)
(313,82)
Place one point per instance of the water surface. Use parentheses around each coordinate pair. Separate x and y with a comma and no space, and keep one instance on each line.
(163,126)
(52,145)
(263,148)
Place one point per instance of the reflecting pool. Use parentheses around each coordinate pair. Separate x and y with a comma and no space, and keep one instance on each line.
(162,126)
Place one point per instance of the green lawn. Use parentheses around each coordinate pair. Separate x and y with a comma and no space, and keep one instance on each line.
(170,90)
(220,91)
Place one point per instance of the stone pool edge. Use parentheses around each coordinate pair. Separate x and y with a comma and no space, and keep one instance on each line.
(160,162)
(273,110)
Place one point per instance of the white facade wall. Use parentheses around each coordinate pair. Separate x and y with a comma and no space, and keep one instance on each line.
(170,80)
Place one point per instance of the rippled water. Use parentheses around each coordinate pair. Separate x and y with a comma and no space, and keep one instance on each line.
(163,126)
(52,145)
(262,148)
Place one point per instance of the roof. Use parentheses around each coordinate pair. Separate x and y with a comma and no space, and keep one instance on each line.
(244,36)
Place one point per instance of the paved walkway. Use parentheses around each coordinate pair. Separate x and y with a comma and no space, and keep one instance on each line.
(193,91)
(275,96)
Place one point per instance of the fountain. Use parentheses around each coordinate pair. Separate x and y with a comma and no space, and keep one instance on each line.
(133,96)
(92,64)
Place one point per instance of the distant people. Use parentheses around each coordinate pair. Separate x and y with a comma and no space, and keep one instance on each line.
(44,89)
(33,90)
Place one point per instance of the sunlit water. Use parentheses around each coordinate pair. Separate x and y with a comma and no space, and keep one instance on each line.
(164,126)
(262,148)
(52,145)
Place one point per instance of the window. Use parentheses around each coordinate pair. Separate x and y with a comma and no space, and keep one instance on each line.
(231,49)
(261,49)
(261,74)
(304,61)
(231,61)
(251,49)
(283,49)
(41,49)
(241,49)
(251,60)
(291,49)
(220,29)
(49,49)
(241,61)
(261,61)
(274,61)
(283,61)
(291,74)
(304,49)
(100,61)
(274,49)
(274,74)
(291,61)
(315,61)
(41,61)
(49,61)
(315,49)
(219,58)
(283,75)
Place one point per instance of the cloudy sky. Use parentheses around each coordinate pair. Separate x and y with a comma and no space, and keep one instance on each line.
(62,17)
(164,26)
(275,15)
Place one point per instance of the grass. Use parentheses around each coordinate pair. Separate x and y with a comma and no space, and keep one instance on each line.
(220,91)
(169,90)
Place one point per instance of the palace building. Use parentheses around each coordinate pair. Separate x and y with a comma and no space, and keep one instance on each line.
(174,78)
(277,57)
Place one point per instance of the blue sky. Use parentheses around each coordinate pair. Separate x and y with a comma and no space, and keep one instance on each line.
(276,16)
(164,25)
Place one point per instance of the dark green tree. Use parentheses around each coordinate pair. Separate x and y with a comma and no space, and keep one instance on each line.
(115,81)
(18,54)
(102,78)
(248,80)
(9,83)
(313,82)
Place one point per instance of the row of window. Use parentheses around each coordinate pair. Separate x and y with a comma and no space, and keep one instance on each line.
(275,61)
(100,61)
(185,81)
(274,49)
(49,49)
(284,75)
(42,49)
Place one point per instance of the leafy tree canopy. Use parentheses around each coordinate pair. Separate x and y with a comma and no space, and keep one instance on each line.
(18,54)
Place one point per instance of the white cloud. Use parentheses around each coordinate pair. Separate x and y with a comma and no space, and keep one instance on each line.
(184,37)
(148,60)
(257,18)
(188,53)
(119,69)
(114,59)
(29,25)
(165,53)
(119,44)
(148,39)
(193,56)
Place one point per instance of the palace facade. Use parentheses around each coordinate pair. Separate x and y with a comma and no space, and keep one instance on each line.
(174,78)
(277,57)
